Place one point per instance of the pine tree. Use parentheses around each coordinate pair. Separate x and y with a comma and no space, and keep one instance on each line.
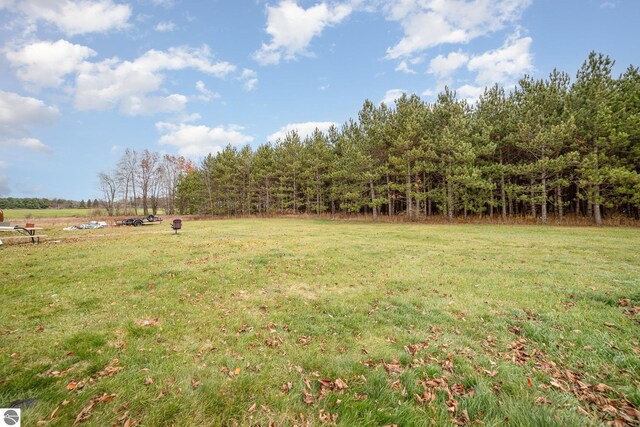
(492,119)
(591,99)
(452,153)
(408,121)
(544,129)
(264,177)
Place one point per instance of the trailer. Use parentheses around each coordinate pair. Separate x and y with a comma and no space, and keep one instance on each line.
(136,222)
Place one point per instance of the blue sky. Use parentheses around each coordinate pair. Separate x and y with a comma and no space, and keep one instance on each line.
(81,80)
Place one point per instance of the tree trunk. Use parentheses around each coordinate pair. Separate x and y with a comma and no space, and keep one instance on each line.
(145,202)
(597,216)
(390,197)
(543,207)
(510,205)
(503,192)
(318,190)
(491,206)
(560,202)
(135,200)
(408,192)
(373,200)
(295,193)
(126,197)
(449,200)
(429,200)
(268,205)
(532,194)
(424,192)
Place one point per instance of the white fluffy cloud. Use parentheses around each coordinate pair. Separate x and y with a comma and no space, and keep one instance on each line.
(74,17)
(18,114)
(504,64)
(292,28)
(164,27)
(199,140)
(130,85)
(303,129)
(250,79)
(469,92)
(141,105)
(163,3)
(391,95)
(443,66)
(405,68)
(206,95)
(27,143)
(45,63)
(135,87)
(429,23)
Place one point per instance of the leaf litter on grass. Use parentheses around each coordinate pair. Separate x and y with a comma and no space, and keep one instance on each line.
(439,363)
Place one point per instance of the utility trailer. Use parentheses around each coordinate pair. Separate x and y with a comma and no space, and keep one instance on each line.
(136,222)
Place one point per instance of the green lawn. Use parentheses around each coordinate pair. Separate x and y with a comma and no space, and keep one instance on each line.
(309,322)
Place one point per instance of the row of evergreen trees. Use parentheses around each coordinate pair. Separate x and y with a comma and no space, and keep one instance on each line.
(39,203)
(546,147)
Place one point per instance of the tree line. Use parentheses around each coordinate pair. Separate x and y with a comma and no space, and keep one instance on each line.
(145,181)
(546,147)
(43,203)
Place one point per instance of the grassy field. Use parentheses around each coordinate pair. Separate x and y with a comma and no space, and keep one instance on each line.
(14,215)
(18,215)
(309,322)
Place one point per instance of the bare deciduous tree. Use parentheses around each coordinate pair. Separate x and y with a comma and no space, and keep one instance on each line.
(109,186)
(147,173)
(126,172)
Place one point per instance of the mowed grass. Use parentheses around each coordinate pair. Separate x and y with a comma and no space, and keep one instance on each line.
(310,322)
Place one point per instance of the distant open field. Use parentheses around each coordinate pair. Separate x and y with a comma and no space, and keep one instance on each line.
(61,217)
(313,322)
(21,214)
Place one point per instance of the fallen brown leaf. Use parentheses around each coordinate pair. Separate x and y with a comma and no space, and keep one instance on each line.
(463,419)
(286,388)
(148,322)
(271,342)
(543,401)
(111,369)
(73,385)
(304,340)
(490,373)
(393,367)
(307,397)
(86,411)
(55,411)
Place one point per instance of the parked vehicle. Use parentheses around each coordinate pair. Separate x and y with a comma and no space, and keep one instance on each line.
(136,222)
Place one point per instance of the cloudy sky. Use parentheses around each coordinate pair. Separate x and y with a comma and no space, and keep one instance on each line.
(81,80)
